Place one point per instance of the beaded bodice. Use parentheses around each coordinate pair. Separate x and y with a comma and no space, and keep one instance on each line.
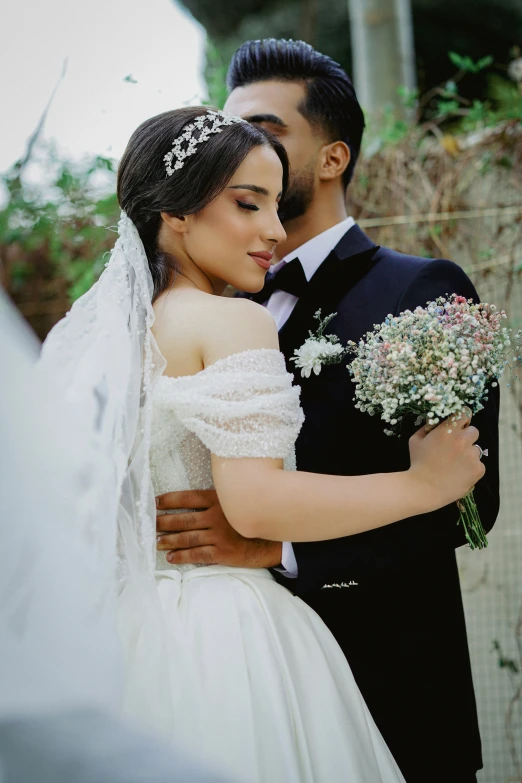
(240,406)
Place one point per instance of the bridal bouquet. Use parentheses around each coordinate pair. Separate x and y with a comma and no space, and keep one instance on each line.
(435,363)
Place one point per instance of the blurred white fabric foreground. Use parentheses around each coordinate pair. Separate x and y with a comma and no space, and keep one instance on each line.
(89,747)
(56,649)
(60,661)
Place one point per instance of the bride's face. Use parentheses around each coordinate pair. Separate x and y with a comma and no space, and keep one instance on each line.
(224,239)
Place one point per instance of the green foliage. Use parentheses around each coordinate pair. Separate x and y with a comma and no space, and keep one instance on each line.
(465,63)
(460,114)
(450,88)
(58,231)
(446,109)
(505,96)
(503,662)
(409,98)
(389,130)
(215,76)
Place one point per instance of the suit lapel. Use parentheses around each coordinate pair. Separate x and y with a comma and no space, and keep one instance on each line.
(346,265)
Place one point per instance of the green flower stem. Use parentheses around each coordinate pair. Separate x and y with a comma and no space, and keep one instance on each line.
(469,516)
(470,520)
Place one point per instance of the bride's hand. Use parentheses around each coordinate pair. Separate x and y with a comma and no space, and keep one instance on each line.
(445,461)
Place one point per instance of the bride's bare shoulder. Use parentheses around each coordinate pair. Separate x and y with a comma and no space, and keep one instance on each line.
(191,323)
(238,325)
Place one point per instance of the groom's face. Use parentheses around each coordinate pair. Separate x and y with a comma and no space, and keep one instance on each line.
(275,106)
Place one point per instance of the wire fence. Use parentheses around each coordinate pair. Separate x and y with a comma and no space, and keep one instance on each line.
(469,209)
(492,584)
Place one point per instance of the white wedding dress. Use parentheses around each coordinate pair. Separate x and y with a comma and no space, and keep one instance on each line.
(252,681)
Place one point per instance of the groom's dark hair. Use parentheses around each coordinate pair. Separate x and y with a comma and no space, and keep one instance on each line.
(330,101)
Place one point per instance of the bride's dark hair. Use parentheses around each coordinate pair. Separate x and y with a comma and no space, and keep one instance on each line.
(144,190)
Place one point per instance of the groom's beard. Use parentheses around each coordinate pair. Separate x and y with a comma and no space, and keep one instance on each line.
(299,195)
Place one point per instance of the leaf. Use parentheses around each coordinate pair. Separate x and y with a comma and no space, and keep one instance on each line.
(215,76)
(408,97)
(130,79)
(477,113)
(101,163)
(456,59)
(465,63)
(446,108)
(107,207)
(483,63)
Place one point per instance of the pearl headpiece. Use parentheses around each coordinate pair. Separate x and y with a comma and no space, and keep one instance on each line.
(203,126)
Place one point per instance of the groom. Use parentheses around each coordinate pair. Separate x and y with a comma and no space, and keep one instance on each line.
(391,596)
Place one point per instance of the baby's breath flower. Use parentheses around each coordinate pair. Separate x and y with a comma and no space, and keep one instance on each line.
(432,362)
(435,363)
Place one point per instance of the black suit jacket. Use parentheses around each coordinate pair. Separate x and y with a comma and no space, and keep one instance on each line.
(402,626)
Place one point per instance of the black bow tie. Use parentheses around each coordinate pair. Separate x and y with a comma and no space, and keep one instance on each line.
(290,278)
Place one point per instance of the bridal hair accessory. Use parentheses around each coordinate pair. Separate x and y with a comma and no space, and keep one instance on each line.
(203,126)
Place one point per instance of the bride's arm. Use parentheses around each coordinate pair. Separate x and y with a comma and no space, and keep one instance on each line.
(261,500)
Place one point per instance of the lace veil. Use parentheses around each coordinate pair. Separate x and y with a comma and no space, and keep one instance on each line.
(104,360)
(59,649)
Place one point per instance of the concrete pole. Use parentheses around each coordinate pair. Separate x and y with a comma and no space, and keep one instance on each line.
(383,52)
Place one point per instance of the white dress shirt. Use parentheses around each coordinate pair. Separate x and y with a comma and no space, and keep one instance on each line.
(281,304)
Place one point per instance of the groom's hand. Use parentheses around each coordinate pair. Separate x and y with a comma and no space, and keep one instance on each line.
(202,535)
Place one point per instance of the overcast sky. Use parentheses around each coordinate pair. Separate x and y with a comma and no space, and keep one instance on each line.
(154,41)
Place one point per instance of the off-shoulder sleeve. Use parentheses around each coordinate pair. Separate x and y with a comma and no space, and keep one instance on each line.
(242,406)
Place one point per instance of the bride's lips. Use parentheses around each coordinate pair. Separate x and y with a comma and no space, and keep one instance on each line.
(263,258)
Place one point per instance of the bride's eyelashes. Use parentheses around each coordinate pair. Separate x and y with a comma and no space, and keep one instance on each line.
(245,205)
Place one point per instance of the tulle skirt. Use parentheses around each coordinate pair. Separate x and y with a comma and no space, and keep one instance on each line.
(255,684)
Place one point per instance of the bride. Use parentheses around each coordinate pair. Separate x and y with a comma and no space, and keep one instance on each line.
(183,388)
